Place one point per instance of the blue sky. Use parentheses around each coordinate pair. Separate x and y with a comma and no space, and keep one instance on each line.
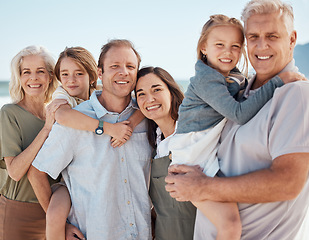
(165,32)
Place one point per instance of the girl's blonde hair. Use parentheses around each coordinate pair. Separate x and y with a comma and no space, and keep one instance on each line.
(83,58)
(217,21)
(16,91)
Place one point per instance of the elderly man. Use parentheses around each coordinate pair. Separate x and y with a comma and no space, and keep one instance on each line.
(108,186)
(266,161)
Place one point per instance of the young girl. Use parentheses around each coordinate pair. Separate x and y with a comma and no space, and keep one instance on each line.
(209,100)
(77,71)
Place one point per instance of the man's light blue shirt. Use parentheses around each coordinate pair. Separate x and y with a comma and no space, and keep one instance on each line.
(108,186)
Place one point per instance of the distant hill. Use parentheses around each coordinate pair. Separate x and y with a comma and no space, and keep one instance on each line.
(301,55)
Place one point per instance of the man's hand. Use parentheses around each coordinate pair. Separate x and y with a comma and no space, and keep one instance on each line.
(184,183)
(73,233)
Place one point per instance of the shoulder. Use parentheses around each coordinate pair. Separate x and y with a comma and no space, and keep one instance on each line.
(292,98)
(205,73)
(10,108)
(60,89)
(299,89)
(60,92)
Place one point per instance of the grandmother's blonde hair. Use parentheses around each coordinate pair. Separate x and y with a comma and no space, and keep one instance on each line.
(16,92)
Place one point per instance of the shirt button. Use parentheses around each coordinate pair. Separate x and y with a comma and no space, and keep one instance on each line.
(122,159)
(131,224)
(125,180)
(128,202)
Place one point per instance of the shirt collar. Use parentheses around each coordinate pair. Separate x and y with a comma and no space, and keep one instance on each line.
(100,110)
(290,67)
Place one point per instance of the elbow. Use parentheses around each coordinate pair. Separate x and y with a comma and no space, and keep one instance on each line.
(60,117)
(291,192)
(240,121)
(239,118)
(15,172)
(15,176)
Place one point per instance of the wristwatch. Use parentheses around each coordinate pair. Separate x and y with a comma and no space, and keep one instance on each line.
(99,130)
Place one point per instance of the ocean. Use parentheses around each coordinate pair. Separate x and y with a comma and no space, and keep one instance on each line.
(5,96)
(4,93)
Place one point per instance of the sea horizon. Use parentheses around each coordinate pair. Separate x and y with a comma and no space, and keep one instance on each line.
(5,95)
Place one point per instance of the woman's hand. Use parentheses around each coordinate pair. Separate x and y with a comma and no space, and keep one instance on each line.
(50,112)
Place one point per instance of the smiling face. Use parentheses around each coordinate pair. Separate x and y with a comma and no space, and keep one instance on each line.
(270,47)
(74,78)
(34,76)
(223,48)
(153,98)
(120,70)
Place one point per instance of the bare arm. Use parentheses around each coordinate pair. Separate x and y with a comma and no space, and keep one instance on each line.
(136,118)
(18,166)
(120,132)
(132,122)
(40,185)
(69,117)
(42,190)
(283,181)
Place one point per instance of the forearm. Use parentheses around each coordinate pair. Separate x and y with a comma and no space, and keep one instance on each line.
(74,119)
(256,187)
(40,185)
(136,118)
(283,181)
(18,166)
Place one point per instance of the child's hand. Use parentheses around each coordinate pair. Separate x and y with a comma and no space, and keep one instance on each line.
(120,132)
(288,77)
(116,143)
(50,112)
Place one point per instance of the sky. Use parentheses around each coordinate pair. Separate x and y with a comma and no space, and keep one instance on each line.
(164,32)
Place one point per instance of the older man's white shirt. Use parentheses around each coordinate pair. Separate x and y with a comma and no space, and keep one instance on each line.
(280,127)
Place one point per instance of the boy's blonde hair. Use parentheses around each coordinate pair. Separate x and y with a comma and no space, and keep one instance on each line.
(217,21)
(16,91)
(83,58)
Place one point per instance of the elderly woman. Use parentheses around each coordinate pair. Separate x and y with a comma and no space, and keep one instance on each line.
(158,97)
(25,124)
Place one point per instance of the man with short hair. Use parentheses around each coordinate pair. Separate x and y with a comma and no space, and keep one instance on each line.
(108,186)
(265,161)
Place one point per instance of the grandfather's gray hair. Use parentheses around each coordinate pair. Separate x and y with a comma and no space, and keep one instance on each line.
(269,6)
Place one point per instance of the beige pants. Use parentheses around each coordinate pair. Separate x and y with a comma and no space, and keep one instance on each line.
(21,220)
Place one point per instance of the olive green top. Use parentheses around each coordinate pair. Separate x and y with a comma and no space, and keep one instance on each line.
(175,220)
(18,128)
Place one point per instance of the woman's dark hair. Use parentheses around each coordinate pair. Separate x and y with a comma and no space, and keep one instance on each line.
(176,96)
